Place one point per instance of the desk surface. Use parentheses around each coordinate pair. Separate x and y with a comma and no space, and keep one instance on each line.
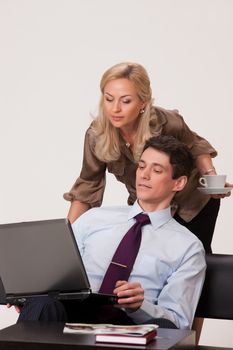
(50,336)
(206,347)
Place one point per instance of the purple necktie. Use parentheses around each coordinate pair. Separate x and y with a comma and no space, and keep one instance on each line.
(125,255)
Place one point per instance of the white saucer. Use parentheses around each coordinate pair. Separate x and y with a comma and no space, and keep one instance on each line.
(214,190)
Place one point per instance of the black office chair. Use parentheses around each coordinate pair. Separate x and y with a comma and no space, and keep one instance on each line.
(216,300)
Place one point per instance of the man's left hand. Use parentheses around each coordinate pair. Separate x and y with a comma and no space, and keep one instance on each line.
(131,295)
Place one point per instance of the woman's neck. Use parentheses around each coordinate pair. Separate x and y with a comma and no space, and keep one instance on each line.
(129,139)
(129,135)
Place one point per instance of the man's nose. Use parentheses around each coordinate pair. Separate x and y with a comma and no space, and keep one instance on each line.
(146,173)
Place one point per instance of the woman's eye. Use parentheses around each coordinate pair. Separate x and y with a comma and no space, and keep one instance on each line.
(126,101)
(108,99)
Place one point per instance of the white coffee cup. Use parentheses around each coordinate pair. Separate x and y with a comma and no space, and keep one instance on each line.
(213,181)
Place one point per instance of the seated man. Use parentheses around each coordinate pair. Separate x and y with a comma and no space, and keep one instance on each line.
(167,275)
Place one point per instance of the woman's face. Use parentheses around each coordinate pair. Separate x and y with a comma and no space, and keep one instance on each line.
(121,103)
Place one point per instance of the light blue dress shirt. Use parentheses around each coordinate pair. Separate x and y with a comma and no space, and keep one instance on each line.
(170,264)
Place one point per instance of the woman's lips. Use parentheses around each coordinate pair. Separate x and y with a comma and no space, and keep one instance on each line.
(117,118)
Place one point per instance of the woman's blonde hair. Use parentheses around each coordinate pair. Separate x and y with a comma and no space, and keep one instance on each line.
(107,148)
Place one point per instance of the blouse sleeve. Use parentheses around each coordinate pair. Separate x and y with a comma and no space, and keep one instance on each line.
(176,126)
(89,186)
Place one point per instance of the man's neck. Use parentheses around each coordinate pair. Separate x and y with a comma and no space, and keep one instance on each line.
(152,207)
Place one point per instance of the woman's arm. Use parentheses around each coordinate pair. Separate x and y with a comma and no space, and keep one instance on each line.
(204,165)
(201,149)
(88,189)
(77,208)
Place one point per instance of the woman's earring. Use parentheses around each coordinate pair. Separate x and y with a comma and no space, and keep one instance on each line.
(142,111)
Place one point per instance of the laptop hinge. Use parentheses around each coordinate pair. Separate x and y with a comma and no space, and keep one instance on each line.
(54,294)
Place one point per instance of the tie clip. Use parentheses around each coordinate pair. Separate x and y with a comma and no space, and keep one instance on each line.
(121,265)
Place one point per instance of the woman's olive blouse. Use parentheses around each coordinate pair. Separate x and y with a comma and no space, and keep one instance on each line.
(90,185)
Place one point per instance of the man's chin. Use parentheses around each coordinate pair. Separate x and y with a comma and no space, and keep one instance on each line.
(143,198)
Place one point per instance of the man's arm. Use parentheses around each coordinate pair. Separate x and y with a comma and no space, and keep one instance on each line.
(178,299)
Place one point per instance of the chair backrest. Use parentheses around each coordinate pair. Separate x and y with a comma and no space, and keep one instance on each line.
(216,300)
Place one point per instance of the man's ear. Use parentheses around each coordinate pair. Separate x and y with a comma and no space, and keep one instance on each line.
(180,183)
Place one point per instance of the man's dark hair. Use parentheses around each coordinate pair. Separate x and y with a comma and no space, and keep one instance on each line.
(180,156)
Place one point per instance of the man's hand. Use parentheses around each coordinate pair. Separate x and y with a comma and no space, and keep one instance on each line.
(131,295)
(17,308)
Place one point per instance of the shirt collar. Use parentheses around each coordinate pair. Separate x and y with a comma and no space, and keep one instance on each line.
(157,218)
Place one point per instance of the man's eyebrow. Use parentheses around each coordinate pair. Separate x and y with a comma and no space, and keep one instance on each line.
(141,161)
(154,163)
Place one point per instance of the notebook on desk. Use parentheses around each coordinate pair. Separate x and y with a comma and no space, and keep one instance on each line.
(41,258)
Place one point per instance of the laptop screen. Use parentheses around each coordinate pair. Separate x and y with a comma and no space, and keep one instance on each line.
(40,256)
(2,293)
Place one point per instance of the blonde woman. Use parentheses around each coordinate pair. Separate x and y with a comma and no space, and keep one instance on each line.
(114,141)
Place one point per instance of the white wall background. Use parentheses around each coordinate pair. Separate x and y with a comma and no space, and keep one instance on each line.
(52,55)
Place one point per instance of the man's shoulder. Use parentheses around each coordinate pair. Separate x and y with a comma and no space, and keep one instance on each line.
(107,213)
(182,233)
(110,209)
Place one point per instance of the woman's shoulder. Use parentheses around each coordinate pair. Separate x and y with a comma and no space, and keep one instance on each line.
(165,118)
(166,113)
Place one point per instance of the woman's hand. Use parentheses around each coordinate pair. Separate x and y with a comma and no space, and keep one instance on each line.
(131,295)
(205,166)
(224,194)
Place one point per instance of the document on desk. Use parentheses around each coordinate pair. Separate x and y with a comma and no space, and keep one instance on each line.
(109,333)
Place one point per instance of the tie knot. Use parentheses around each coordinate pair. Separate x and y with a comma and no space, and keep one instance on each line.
(143,219)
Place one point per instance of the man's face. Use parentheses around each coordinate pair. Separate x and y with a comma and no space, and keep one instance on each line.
(154,184)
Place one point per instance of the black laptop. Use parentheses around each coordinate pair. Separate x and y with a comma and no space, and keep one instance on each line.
(41,258)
